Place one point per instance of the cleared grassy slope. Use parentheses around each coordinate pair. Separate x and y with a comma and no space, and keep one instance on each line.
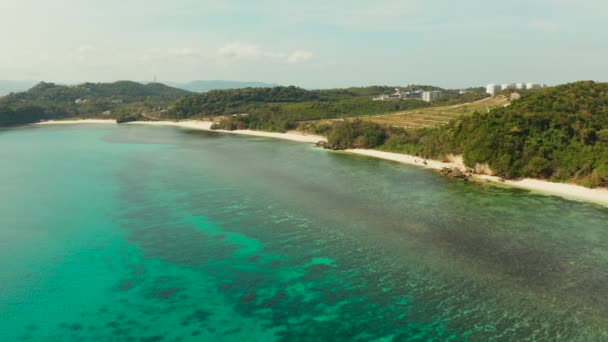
(435,116)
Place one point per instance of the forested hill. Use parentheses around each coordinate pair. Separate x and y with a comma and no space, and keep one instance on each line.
(219,102)
(268,108)
(558,133)
(52,101)
(127,91)
(246,100)
(233,101)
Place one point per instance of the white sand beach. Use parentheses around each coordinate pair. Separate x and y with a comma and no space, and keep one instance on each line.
(402,158)
(201,125)
(570,191)
(206,126)
(77,121)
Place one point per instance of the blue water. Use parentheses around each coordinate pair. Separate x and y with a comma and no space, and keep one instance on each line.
(133,233)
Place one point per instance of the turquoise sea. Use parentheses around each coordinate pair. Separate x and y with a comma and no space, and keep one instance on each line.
(135,233)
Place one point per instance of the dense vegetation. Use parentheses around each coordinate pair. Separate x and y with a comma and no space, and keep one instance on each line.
(247,100)
(274,109)
(21,114)
(282,108)
(452,97)
(285,116)
(559,133)
(51,101)
(237,101)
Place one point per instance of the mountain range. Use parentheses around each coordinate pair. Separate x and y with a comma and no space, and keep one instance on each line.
(201,86)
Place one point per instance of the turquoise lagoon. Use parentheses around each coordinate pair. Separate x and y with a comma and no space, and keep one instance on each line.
(134,233)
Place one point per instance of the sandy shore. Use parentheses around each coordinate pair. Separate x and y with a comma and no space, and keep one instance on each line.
(206,126)
(565,190)
(78,121)
(402,158)
(203,126)
(570,191)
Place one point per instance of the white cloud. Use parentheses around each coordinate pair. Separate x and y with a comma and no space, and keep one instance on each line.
(184,52)
(81,54)
(236,50)
(299,56)
(239,50)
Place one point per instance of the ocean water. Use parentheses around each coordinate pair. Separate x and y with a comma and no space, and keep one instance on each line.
(135,233)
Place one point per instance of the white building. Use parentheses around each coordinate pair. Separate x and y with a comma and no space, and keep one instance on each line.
(399,95)
(414,94)
(493,89)
(430,96)
(382,98)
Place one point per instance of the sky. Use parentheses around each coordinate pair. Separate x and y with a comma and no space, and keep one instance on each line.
(311,43)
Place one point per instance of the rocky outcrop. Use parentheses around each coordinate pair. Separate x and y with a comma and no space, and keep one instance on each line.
(328,146)
(128,118)
(453,173)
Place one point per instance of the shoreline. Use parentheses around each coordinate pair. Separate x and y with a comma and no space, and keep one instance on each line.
(76,121)
(565,190)
(197,125)
(206,126)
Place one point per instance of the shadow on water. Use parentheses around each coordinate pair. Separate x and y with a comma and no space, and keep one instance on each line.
(468,259)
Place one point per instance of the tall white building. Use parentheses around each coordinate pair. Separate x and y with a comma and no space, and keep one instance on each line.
(492,89)
(430,96)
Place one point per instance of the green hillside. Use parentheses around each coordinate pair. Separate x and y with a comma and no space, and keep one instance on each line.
(559,133)
(282,108)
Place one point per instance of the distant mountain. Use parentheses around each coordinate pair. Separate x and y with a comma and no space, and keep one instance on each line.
(125,91)
(7,87)
(203,86)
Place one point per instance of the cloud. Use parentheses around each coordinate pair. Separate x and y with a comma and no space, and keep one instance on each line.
(236,50)
(184,52)
(239,50)
(166,55)
(229,52)
(299,56)
(81,54)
